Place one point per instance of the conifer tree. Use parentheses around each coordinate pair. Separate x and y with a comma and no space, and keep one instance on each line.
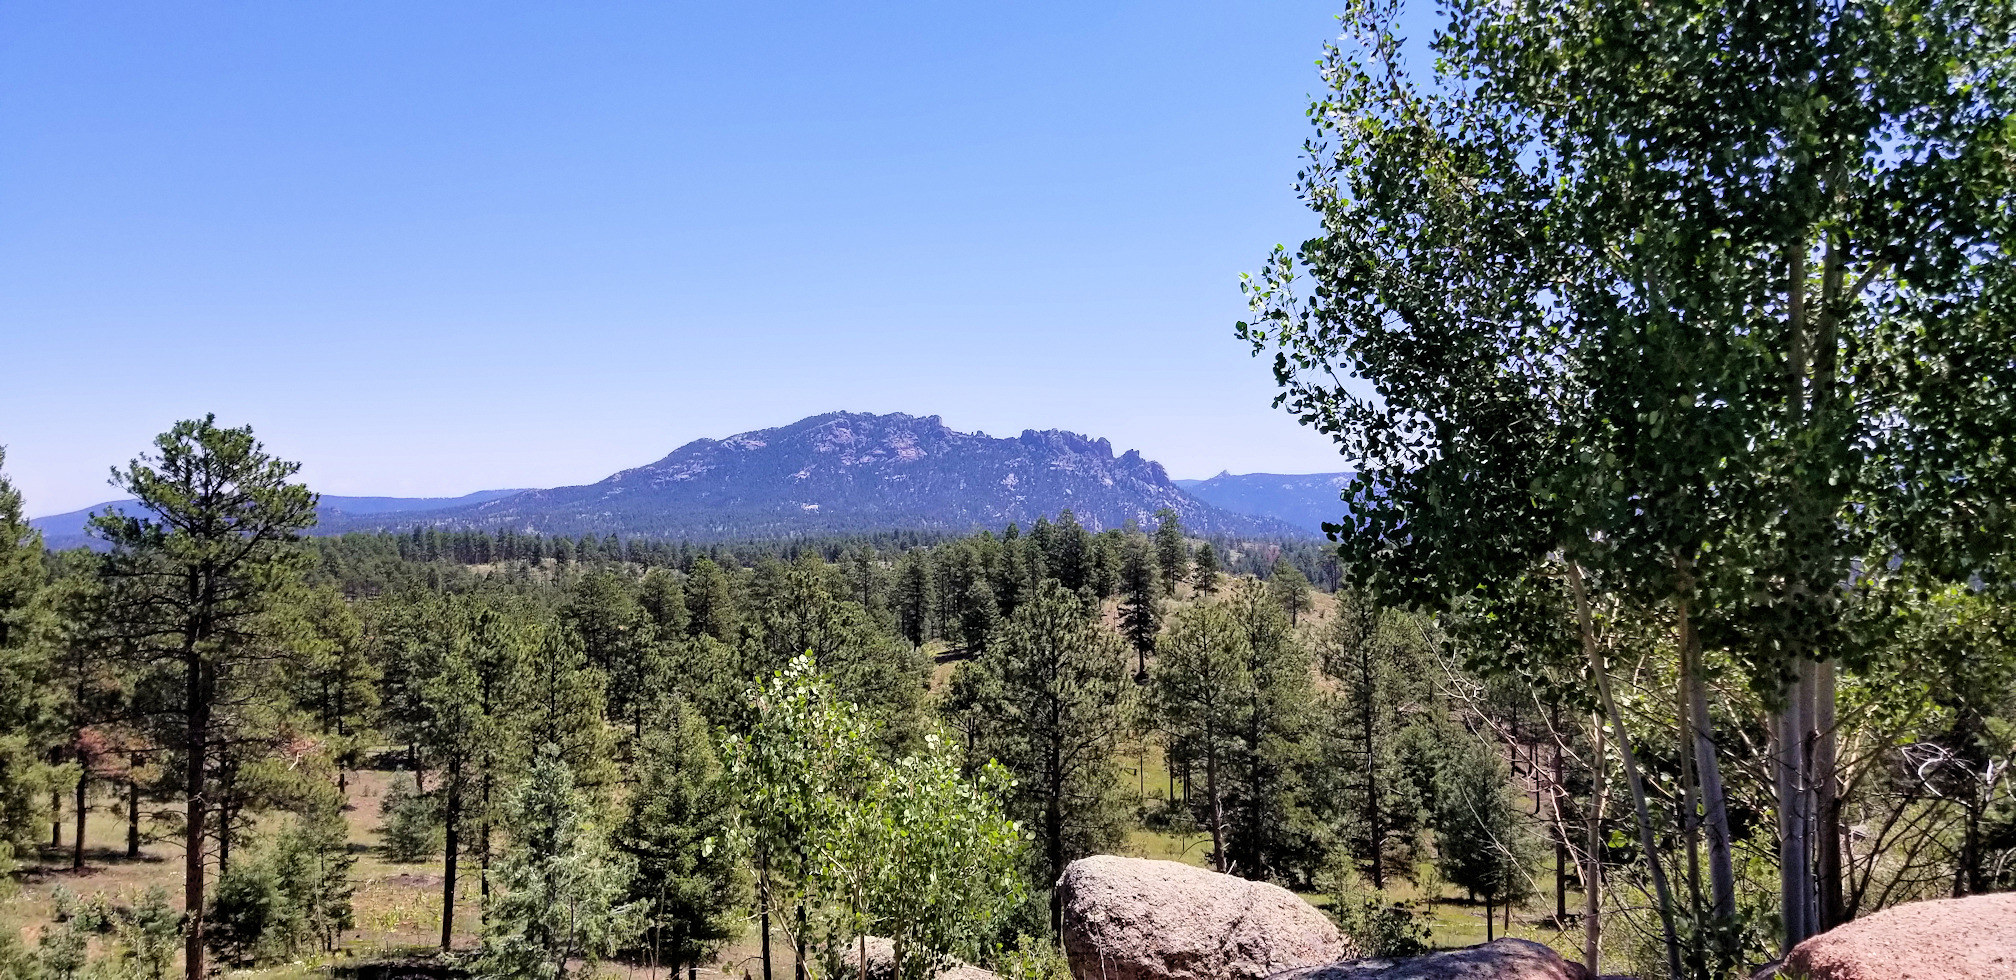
(1197,693)
(915,605)
(1140,618)
(711,603)
(1205,573)
(563,885)
(193,580)
(1271,824)
(689,882)
(1290,588)
(1371,655)
(1050,699)
(25,703)
(1172,553)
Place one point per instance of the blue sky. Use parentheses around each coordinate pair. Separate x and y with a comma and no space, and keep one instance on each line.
(428,248)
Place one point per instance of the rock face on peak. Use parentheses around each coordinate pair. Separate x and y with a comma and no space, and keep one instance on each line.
(1505,959)
(844,472)
(1135,919)
(1949,939)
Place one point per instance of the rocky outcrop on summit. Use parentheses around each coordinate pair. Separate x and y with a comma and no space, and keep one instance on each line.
(847,473)
(1134,919)
(1950,939)
(1505,959)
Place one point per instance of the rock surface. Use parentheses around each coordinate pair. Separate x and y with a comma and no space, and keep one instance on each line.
(1506,959)
(882,964)
(1951,939)
(1134,919)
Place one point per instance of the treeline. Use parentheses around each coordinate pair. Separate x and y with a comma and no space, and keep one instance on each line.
(363,563)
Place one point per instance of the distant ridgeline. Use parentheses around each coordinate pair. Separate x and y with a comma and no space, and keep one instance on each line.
(839,474)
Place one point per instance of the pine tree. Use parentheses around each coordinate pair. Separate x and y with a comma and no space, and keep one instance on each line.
(1050,699)
(689,882)
(1140,617)
(1172,553)
(192,581)
(1373,656)
(1197,692)
(1205,573)
(563,886)
(915,600)
(26,708)
(1290,588)
(1272,829)
(711,603)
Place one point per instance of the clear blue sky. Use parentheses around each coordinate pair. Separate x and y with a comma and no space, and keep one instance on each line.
(428,248)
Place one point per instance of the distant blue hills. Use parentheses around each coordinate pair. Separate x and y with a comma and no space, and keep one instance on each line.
(843,473)
(61,531)
(1304,500)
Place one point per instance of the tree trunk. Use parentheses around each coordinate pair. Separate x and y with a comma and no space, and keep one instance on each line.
(1592,872)
(452,812)
(1794,880)
(1489,919)
(1827,800)
(763,904)
(1369,731)
(55,818)
(1558,792)
(197,747)
(83,787)
(132,819)
(1646,839)
(1714,795)
(1217,805)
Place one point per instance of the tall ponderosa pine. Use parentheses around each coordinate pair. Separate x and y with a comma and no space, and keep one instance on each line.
(1172,553)
(1140,614)
(1050,699)
(1197,695)
(195,579)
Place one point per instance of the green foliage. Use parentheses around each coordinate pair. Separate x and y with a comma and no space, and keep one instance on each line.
(932,863)
(26,695)
(1205,569)
(1049,700)
(1380,927)
(147,937)
(1482,840)
(563,885)
(410,829)
(1172,553)
(689,882)
(1289,589)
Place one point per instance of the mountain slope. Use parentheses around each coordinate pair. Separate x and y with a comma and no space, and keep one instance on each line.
(1304,500)
(61,531)
(845,472)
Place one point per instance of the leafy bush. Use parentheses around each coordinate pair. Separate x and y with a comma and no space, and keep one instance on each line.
(1380,927)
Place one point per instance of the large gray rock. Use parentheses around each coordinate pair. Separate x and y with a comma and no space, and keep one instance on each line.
(1506,959)
(882,963)
(1951,939)
(1134,919)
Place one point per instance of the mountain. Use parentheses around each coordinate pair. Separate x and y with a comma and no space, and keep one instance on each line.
(67,530)
(843,472)
(1304,500)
